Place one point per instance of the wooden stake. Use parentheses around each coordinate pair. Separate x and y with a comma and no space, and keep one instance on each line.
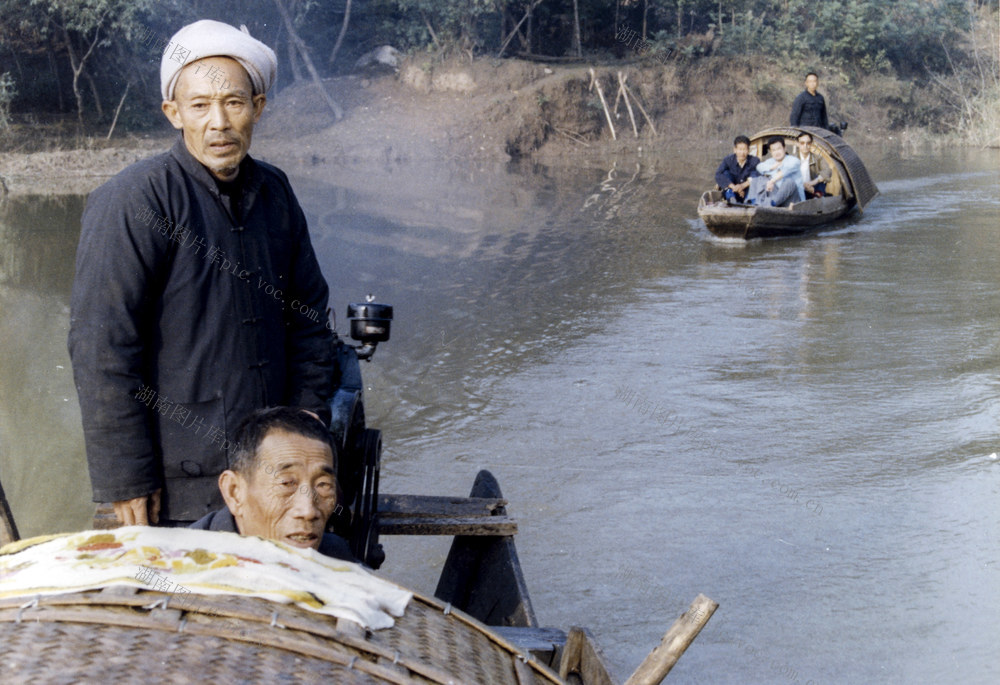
(684,630)
(638,104)
(600,93)
(618,96)
(621,87)
(569,134)
(8,531)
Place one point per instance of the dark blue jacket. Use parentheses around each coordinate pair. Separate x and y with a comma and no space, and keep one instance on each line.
(809,110)
(222,520)
(184,318)
(730,171)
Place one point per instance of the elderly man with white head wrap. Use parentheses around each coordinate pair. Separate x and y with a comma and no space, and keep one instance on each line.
(198,297)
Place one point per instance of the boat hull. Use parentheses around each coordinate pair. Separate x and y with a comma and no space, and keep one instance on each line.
(727,220)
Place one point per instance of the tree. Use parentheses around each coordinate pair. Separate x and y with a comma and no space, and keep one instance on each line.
(78,28)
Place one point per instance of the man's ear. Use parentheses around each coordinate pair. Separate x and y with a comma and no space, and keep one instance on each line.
(169,108)
(233,489)
(259,100)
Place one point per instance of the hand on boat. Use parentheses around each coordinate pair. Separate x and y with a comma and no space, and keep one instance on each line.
(139,511)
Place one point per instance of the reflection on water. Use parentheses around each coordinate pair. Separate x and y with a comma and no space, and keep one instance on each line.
(801,429)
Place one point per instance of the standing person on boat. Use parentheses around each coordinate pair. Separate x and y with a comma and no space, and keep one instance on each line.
(815,170)
(282,484)
(197,296)
(780,179)
(734,173)
(809,108)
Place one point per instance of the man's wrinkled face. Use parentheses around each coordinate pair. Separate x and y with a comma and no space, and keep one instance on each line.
(812,83)
(215,108)
(291,492)
(741,150)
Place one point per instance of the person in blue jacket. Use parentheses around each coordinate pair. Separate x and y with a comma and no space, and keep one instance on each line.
(734,173)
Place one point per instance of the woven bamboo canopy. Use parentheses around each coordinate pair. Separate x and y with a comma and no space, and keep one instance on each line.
(125,634)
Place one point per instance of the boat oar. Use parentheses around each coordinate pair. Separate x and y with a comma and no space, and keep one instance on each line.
(8,531)
(657,665)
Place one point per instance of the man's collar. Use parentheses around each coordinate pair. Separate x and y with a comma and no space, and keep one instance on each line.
(249,174)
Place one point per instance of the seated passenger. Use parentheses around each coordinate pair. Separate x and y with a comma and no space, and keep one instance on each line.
(780,179)
(815,170)
(734,173)
(282,483)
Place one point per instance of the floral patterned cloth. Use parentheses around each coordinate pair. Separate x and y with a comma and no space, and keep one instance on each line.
(189,563)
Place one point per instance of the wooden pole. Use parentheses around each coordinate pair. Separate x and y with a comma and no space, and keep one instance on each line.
(293,38)
(8,531)
(657,665)
(631,116)
(639,105)
(600,93)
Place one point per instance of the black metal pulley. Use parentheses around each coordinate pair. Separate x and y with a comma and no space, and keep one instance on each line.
(370,325)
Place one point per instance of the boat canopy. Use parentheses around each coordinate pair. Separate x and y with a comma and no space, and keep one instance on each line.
(860,184)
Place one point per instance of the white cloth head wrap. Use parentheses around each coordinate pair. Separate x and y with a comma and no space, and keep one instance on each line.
(208,38)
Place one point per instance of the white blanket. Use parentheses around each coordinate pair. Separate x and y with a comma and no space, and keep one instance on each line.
(189,563)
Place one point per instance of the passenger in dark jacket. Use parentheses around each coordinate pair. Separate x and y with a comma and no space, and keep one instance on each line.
(282,485)
(197,297)
(734,173)
(809,108)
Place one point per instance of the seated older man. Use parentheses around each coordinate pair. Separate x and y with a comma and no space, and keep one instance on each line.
(282,484)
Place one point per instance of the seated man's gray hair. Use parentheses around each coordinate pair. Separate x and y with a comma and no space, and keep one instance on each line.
(256,426)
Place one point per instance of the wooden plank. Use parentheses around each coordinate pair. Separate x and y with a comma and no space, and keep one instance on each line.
(530,639)
(583,657)
(426,505)
(104,517)
(482,575)
(541,643)
(685,629)
(425,525)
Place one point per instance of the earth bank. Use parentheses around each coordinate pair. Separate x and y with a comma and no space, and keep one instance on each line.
(489,109)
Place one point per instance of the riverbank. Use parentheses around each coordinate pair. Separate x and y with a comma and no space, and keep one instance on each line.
(488,109)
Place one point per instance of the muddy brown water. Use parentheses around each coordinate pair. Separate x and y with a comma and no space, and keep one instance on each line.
(802,429)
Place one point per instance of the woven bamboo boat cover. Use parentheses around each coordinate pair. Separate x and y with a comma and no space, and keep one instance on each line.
(141,605)
(864,187)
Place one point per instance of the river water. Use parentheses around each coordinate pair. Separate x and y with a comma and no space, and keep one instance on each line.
(802,429)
